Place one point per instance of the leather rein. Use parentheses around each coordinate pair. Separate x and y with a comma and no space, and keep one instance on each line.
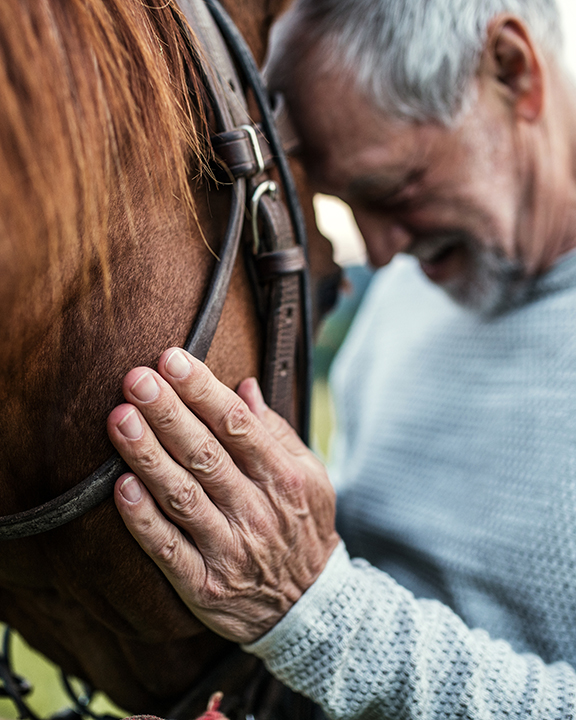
(279,254)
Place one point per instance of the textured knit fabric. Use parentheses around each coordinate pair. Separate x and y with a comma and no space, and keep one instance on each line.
(457,479)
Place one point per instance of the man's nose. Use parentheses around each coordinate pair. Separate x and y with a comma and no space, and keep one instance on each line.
(384,236)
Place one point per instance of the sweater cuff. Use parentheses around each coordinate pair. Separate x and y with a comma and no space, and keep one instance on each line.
(305,617)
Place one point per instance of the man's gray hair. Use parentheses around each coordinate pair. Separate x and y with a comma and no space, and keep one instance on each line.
(415,59)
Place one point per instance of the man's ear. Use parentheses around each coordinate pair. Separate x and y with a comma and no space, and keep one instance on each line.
(515,63)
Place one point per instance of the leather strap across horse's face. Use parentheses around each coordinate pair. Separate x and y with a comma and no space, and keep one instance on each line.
(279,255)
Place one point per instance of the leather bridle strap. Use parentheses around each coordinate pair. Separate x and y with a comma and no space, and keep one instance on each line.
(277,271)
(73,503)
(230,110)
(245,61)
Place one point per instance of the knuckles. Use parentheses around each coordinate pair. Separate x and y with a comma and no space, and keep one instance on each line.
(213,592)
(165,548)
(293,481)
(148,458)
(184,497)
(167,552)
(168,415)
(207,458)
(262,525)
(238,421)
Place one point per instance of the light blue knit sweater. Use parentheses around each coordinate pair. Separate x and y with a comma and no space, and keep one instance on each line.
(457,478)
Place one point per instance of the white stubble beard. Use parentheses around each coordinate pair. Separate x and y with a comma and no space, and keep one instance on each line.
(491,284)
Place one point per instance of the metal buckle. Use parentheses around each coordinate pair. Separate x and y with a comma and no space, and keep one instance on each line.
(255,146)
(270,187)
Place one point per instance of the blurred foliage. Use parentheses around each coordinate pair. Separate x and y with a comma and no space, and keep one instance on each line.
(331,335)
(335,326)
(322,419)
(48,695)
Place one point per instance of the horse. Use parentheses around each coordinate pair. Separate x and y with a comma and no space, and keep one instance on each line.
(110,223)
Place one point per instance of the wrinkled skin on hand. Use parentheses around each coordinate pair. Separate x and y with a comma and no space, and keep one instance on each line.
(225,498)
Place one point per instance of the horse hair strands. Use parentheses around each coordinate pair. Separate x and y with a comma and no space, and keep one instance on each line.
(90,89)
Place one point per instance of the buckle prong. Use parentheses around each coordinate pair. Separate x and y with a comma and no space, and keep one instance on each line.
(270,187)
(255,146)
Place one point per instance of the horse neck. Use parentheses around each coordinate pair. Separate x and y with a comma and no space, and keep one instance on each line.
(88,334)
(85,594)
(84,339)
(53,435)
(69,384)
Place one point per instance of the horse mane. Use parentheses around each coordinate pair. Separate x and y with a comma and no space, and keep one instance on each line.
(89,89)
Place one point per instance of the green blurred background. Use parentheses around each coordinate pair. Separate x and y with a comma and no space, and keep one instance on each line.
(48,695)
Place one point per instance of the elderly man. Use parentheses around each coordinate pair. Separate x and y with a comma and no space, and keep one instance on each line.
(449,128)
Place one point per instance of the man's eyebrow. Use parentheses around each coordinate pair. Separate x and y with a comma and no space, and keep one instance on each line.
(384,186)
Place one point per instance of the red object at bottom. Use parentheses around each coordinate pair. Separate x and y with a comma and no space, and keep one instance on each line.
(212,712)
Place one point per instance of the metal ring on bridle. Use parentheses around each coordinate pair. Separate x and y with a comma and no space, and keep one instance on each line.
(270,187)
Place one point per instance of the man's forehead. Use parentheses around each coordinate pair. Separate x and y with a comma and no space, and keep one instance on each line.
(330,104)
(355,149)
(364,159)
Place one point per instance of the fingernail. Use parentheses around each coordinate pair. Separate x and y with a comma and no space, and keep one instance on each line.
(145,388)
(130,426)
(131,490)
(258,397)
(178,365)
(252,394)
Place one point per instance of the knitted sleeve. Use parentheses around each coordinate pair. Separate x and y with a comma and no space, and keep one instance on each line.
(361,646)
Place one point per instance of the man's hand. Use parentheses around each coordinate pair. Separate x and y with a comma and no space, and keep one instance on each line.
(226,499)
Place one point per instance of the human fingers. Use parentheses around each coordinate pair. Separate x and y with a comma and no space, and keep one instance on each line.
(239,595)
(273,456)
(178,559)
(186,439)
(319,494)
(247,441)
(259,557)
(178,492)
(183,565)
(277,426)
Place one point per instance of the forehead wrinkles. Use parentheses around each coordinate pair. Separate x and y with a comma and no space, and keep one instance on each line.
(377,159)
(397,163)
(345,137)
